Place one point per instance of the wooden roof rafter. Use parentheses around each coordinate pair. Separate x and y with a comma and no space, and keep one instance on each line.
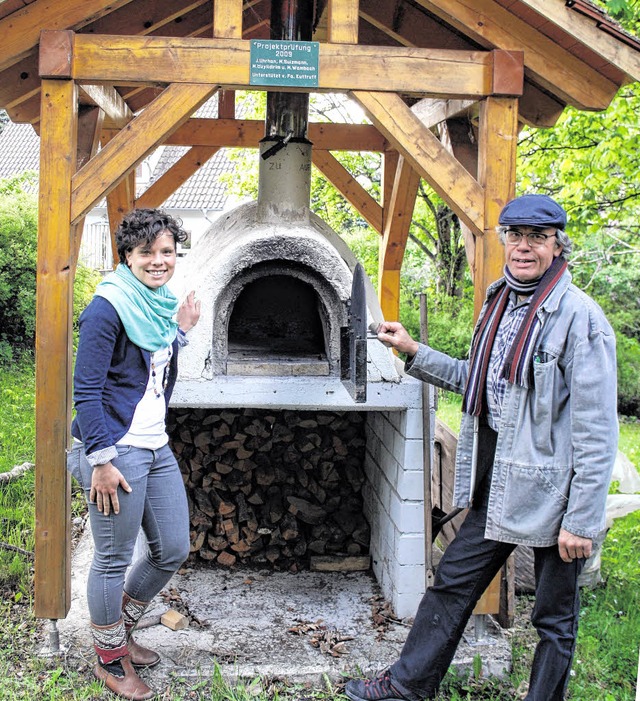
(21,29)
(554,68)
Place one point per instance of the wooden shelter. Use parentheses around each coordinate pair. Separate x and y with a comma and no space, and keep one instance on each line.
(446,83)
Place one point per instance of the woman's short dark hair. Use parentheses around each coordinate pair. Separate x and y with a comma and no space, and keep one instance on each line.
(143,226)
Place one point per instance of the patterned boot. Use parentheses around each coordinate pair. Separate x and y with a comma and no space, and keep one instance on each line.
(114,666)
(132,611)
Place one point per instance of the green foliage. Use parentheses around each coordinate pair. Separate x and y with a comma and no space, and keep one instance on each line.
(450,319)
(364,246)
(18,241)
(17,445)
(18,255)
(607,653)
(449,409)
(627,12)
(630,439)
(628,352)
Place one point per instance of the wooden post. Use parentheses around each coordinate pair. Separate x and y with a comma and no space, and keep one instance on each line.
(227,19)
(54,306)
(394,238)
(498,140)
(120,201)
(343,21)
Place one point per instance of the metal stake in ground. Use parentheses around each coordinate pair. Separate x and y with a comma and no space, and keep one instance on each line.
(426,452)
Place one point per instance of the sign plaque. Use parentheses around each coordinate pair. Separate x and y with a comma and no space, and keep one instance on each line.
(286,63)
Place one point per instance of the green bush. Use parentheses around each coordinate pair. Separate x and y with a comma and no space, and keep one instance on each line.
(18,242)
(18,255)
(628,353)
(84,286)
(450,322)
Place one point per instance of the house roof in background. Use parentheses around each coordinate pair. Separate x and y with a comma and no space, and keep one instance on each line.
(203,190)
(20,152)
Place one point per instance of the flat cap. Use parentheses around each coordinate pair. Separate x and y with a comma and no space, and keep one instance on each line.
(533,210)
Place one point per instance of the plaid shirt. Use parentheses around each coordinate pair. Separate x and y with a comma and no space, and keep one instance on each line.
(496,384)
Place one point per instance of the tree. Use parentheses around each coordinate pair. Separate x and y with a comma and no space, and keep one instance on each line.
(435,230)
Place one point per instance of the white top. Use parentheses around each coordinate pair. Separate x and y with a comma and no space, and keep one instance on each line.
(147,428)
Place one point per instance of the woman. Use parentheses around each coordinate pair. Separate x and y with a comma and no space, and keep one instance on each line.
(125,371)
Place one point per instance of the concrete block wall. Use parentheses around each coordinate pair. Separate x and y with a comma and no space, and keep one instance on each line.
(394,504)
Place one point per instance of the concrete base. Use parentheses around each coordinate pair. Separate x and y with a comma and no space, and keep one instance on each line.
(246,616)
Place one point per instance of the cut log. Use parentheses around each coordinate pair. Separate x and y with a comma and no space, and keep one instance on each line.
(337,563)
(174,620)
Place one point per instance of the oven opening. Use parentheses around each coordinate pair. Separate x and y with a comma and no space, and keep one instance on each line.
(276,327)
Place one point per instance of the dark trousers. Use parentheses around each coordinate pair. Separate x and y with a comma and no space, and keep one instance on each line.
(467,567)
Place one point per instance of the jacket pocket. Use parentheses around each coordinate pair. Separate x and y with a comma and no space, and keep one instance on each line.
(549,394)
(534,500)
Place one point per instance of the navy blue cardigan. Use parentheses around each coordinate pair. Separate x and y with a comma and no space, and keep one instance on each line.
(110,377)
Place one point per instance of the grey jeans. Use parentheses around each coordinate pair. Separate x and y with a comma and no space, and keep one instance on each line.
(158,505)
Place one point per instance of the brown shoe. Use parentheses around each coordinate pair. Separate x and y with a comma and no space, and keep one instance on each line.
(132,611)
(141,656)
(130,686)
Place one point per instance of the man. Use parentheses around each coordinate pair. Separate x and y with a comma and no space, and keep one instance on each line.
(536,448)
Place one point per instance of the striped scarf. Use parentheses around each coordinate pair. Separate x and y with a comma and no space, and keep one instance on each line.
(518,363)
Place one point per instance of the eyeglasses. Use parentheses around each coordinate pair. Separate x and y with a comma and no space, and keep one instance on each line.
(534,238)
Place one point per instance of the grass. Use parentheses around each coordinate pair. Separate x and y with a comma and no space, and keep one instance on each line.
(17,445)
(606,657)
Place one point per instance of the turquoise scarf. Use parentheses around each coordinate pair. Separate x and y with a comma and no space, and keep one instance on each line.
(146,314)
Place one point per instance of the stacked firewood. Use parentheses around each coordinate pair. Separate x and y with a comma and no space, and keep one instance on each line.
(272,488)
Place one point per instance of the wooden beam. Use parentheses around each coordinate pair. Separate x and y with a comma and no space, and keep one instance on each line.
(54,313)
(157,193)
(394,239)
(120,201)
(349,187)
(459,136)
(158,60)
(20,31)
(386,30)
(389,293)
(90,120)
(554,68)
(132,145)
(227,104)
(590,34)
(246,133)
(497,144)
(342,21)
(432,112)
(427,156)
(116,111)
(227,19)
(537,108)
(389,168)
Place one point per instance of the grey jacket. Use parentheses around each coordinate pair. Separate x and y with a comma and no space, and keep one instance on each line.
(557,440)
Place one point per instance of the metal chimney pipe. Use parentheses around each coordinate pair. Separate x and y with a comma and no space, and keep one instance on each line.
(288,113)
(284,184)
